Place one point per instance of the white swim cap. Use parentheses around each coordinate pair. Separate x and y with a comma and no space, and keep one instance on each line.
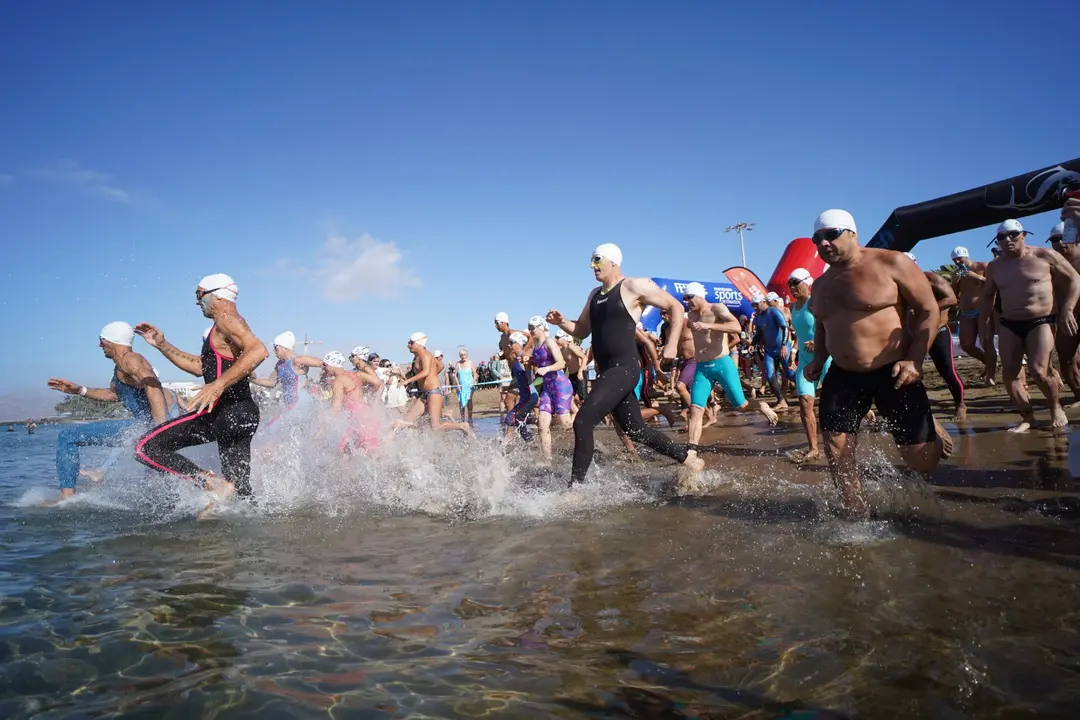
(536,321)
(418,338)
(437,353)
(801,275)
(608,251)
(519,339)
(221,285)
(1011,226)
(286,340)
(1058,230)
(560,334)
(695,289)
(119,333)
(502,318)
(757,298)
(334,359)
(360,351)
(912,256)
(835,220)
(772,297)
(959,252)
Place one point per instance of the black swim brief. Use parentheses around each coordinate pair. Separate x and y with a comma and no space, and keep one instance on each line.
(1021,328)
(846,397)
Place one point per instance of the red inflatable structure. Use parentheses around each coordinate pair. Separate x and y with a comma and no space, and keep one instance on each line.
(800,253)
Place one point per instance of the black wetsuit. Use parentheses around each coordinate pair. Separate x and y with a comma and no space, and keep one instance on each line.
(231,424)
(615,352)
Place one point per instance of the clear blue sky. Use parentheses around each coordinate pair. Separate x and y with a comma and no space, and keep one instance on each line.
(481,148)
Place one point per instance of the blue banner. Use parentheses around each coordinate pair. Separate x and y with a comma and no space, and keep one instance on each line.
(715,292)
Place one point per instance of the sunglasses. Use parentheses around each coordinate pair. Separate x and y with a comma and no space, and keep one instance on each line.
(829,235)
(1011,235)
(200,294)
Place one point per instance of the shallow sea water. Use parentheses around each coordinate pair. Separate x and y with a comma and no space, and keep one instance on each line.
(454,579)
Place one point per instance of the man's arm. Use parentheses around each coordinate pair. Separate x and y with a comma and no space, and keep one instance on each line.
(582,327)
(187,362)
(251,349)
(1064,278)
(986,308)
(943,292)
(725,321)
(649,293)
(138,367)
(917,294)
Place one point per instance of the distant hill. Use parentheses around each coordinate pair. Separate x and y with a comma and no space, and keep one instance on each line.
(31,403)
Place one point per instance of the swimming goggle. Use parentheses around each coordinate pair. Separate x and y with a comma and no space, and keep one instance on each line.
(831,235)
(597,261)
(200,294)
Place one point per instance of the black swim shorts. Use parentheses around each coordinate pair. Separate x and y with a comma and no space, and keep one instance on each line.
(846,397)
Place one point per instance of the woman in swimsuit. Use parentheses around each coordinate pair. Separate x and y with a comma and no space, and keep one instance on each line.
(556,393)
(345,394)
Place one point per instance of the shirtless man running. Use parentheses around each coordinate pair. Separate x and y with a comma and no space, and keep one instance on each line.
(575,366)
(430,399)
(711,324)
(1026,279)
(967,285)
(875,315)
(1067,346)
(610,315)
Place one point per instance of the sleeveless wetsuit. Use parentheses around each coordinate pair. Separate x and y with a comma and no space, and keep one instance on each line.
(615,353)
(803,321)
(231,424)
(556,392)
(465,383)
(527,398)
(109,433)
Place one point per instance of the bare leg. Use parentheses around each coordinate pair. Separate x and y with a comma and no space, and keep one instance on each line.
(1070,370)
(809,421)
(434,408)
(1038,345)
(416,409)
(545,436)
(1012,356)
(925,457)
(840,452)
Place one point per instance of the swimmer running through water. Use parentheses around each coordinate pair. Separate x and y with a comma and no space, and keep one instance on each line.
(134,384)
(517,418)
(286,374)
(610,315)
(430,399)
(223,411)
(875,315)
(556,393)
(711,324)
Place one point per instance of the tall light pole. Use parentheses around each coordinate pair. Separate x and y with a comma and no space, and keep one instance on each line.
(741,227)
(310,342)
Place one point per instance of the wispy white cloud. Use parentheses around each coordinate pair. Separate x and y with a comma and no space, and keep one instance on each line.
(70,173)
(6,179)
(350,269)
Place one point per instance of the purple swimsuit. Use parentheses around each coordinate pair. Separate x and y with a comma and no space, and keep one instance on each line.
(557,392)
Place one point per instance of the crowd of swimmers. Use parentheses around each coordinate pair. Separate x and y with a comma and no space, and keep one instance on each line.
(858,335)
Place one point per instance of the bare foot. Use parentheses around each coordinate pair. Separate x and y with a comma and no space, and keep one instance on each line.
(769,413)
(688,480)
(946,441)
(989,381)
(94,476)
(708,423)
(870,418)
(1023,426)
(1073,405)
(961,414)
(1059,418)
(782,405)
